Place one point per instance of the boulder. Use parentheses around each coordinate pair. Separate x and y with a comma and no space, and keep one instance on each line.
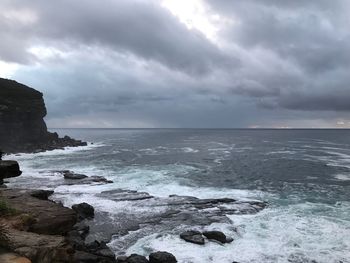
(134,258)
(122,259)
(41,194)
(86,257)
(9,169)
(218,236)
(193,236)
(73,176)
(162,257)
(84,210)
(100,249)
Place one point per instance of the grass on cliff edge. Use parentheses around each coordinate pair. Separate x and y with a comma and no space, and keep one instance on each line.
(5,209)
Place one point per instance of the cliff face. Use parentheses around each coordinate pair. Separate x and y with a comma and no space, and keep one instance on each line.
(22,127)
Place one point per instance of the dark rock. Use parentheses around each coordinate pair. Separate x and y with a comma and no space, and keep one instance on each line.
(125,195)
(42,194)
(86,257)
(100,249)
(73,176)
(76,240)
(22,125)
(9,169)
(134,258)
(192,236)
(218,236)
(84,210)
(162,257)
(82,228)
(105,252)
(122,259)
(229,239)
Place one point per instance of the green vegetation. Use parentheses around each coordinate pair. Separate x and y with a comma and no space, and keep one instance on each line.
(5,209)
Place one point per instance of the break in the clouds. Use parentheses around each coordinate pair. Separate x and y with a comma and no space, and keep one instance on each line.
(171,63)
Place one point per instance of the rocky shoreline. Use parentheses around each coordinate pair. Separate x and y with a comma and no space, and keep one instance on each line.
(36,229)
(41,230)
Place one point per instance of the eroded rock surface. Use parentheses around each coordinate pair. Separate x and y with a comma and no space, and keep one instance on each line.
(49,217)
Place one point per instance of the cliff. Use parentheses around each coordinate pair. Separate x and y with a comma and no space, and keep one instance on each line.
(22,125)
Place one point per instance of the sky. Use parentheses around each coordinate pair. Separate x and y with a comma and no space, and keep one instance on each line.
(182,63)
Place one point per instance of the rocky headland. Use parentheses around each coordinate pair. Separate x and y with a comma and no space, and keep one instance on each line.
(22,125)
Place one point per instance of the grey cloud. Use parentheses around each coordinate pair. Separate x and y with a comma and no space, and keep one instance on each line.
(139,27)
(311,38)
(132,59)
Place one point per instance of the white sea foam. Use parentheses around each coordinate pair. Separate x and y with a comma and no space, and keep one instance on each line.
(342,177)
(281,152)
(296,233)
(166,181)
(64,151)
(189,150)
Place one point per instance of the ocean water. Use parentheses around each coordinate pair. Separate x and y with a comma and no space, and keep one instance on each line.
(304,175)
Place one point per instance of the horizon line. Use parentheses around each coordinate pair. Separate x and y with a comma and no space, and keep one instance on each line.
(193,128)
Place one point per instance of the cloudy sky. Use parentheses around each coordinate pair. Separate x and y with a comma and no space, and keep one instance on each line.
(182,63)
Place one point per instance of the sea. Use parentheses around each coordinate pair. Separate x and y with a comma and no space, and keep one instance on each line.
(303,175)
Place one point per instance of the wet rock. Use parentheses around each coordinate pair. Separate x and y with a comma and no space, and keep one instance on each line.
(122,259)
(218,236)
(100,249)
(73,176)
(88,180)
(76,240)
(193,236)
(9,169)
(84,210)
(82,228)
(86,257)
(41,194)
(162,257)
(125,195)
(134,258)
(162,215)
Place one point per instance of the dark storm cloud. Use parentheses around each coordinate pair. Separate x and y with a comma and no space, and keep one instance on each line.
(116,60)
(141,27)
(311,37)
